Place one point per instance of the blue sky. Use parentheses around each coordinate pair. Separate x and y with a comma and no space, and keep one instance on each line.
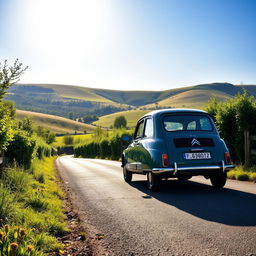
(131,44)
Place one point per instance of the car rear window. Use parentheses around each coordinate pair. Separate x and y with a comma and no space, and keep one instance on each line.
(187,123)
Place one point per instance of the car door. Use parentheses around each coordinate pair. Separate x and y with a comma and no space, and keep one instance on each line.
(139,158)
(133,152)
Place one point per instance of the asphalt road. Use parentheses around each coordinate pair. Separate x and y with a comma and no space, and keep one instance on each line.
(184,218)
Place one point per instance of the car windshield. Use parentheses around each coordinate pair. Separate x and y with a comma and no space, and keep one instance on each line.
(187,123)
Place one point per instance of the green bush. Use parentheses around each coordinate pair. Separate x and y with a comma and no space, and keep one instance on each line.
(253,177)
(68,140)
(233,118)
(103,145)
(243,176)
(22,149)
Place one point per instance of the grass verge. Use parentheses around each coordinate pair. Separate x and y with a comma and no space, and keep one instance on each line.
(242,173)
(31,199)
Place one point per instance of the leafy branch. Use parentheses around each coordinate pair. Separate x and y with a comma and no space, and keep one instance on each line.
(10,75)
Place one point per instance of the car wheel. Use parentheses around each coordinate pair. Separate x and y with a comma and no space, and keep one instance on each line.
(219,180)
(153,181)
(127,174)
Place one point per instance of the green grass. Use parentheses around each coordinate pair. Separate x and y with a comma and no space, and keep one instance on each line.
(131,116)
(77,139)
(190,99)
(243,174)
(32,199)
(56,124)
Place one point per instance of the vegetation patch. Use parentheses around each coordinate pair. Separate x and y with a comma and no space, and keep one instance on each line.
(132,116)
(31,199)
(243,174)
(57,124)
(104,144)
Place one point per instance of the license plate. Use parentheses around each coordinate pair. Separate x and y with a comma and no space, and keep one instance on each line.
(198,155)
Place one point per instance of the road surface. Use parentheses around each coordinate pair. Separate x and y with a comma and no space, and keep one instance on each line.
(184,218)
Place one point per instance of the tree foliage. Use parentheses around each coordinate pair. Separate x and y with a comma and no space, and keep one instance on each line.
(9,75)
(6,124)
(233,118)
(120,122)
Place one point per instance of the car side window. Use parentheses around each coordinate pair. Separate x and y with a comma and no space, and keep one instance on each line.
(139,130)
(149,128)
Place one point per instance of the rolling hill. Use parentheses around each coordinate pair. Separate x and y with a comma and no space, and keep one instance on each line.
(55,124)
(190,99)
(131,116)
(61,100)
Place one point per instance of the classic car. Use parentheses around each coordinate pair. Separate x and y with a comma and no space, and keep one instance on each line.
(176,143)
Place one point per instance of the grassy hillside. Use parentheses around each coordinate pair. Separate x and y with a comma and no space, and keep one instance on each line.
(76,140)
(131,116)
(56,124)
(250,89)
(190,99)
(60,100)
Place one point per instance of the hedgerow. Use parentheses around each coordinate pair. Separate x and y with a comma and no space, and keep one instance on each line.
(103,144)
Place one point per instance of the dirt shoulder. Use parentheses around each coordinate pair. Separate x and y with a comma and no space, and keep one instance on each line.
(82,238)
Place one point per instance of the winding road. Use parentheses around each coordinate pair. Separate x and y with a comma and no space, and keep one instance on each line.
(184,218)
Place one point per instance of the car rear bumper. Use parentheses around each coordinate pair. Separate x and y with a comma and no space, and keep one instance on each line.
(191,169)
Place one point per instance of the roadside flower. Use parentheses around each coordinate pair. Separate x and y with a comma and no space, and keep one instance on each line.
(22,233)
(2,235)
(6,228)
(14,246)
(30,248)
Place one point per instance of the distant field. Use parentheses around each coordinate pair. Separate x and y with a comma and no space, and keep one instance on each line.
(131,116)
(59,125)
(191,99)
(77,139)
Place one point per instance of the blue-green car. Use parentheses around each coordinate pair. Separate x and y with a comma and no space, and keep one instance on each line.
(176,143)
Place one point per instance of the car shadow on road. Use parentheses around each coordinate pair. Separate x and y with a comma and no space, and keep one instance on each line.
(225,206)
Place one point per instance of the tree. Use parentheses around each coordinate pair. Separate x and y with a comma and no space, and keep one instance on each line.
(71,115)
(120,122)
(233,118)
(9,75)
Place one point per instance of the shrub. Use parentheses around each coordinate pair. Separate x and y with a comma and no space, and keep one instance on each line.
(22,149)
(242,176)
(104,145)
(253,176)
(68,140)
(238,113)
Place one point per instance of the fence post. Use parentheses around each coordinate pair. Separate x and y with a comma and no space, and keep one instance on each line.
(246,148)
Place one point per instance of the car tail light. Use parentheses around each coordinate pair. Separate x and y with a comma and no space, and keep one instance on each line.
(165,160)
(227,158)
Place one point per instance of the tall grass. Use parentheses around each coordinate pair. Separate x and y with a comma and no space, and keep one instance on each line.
(32,199)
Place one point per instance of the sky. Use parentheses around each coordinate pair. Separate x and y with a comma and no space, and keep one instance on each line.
(131,44)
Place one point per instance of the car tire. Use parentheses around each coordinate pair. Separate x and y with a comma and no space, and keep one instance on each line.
(127,174)
(219,180)
(153,181)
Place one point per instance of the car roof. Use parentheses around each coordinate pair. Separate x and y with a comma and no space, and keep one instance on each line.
(174,110)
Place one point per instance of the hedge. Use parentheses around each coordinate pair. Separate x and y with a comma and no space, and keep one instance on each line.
(105,146)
